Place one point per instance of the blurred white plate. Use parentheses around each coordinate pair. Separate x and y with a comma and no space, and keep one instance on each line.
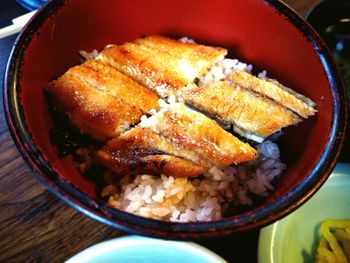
(137,249)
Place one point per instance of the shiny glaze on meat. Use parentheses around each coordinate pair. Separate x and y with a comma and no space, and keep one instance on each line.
(275,91)
(252,115)
(164,69)
(142,150)
(100,101)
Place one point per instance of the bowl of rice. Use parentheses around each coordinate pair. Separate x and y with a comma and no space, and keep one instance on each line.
(262,38)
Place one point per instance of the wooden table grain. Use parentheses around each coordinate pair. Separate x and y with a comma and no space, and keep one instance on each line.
(35,226)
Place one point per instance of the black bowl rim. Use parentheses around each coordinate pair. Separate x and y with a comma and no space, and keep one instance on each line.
(139,225)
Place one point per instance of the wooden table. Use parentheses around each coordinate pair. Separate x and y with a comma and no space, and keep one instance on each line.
(35,226)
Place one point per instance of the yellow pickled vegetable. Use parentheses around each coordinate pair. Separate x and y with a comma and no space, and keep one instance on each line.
(334,244)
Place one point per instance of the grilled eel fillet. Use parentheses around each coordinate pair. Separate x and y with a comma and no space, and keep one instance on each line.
(140,150)
(162,64)
(200,134)
(100,101)
(272,89)
(176,135)
(252,115)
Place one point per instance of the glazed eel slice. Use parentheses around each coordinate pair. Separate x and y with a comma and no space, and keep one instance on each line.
(274,90)
(252,115)
(199,57)
(107,79)
(185,143)
(200,134)
(99,100)
(161,64)
(140,150)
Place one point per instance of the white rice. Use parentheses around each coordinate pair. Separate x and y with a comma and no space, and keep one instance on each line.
(223,68)
(198,199)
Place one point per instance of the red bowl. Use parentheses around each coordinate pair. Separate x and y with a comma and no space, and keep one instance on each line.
(267,34)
